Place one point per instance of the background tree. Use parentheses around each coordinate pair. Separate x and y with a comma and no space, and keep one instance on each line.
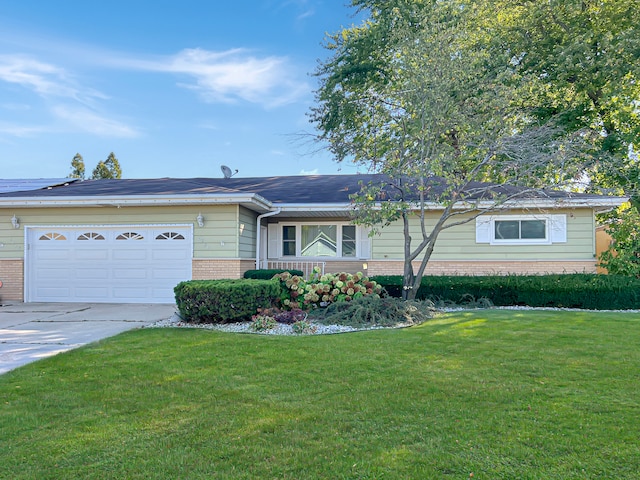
(77,167)
(412,94)
(109,168)
(578,61)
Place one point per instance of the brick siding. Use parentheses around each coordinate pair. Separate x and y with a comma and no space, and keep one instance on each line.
(486,268)
(12,277)
(218,269)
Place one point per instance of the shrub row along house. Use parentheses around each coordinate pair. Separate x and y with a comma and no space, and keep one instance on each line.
(133,240)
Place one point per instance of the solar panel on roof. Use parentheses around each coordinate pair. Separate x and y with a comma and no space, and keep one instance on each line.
(26,184)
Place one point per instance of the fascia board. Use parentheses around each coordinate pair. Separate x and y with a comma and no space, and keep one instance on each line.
(314,207)
(596,203)
(255,200)
(260,203)
(603,202)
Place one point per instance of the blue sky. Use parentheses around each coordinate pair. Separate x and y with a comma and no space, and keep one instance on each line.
(173,88)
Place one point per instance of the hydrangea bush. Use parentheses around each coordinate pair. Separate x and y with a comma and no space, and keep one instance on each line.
(323,290)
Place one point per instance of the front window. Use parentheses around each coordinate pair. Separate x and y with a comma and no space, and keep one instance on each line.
(319,240)
(520,230)
(289,241)
(348,241)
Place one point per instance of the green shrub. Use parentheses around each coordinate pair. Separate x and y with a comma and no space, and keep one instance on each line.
(302,327)
(623,257)
(261,323)
(587,291)
(224,301)
(268,274)
(322,290)
(376,312)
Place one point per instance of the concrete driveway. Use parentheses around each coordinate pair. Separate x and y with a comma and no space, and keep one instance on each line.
(31,331)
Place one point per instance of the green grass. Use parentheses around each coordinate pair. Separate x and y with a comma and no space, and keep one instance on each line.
(496,394)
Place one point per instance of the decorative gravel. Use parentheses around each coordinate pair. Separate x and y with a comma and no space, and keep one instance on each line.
(245,327)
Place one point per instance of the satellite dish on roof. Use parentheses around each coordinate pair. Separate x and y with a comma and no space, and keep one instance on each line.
(226,171)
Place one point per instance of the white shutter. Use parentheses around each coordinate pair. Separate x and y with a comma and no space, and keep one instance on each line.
(364,242)
(558,228)
(274,249)
(483,229)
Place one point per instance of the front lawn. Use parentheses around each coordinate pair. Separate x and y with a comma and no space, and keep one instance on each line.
(485,395)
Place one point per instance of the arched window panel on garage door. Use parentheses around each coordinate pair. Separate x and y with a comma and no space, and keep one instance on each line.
(170,236)
(91,236)
(130,236)
(52,236)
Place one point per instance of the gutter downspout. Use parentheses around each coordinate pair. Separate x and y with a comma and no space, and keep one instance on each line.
(259,223)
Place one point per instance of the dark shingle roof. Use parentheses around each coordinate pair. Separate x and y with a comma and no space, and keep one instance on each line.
(293,189)
(308,189)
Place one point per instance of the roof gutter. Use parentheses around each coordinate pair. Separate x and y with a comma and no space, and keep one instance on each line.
(137,200)
(604,203)
(259,224)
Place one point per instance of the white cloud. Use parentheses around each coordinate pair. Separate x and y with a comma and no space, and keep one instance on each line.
(229,76)
(86,120)
(53,83)
(217,76)
(309,172)
(305,14)
(45,79)
(232,75)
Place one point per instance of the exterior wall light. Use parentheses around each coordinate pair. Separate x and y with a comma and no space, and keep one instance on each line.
(15,222)
(200,220)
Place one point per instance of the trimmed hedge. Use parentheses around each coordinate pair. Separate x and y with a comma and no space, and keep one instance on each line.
(224,301)
(268,274)
(587,291)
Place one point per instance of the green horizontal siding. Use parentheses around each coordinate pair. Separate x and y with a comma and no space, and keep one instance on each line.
(11,239)
(459,242)
(217,239)
(247,233)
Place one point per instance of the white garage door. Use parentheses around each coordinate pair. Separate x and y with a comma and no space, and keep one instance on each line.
(133,264)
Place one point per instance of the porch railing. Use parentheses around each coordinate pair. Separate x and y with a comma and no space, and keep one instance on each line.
(304,266)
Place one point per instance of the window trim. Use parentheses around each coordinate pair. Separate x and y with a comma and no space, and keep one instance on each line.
(520,241)
(556,229)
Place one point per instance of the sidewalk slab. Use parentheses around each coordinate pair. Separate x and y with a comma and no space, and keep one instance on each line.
(31,331)
(15,355)
(66,333)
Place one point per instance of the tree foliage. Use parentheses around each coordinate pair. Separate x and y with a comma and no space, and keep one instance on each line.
(578,60)
(109,168)
(415,93)
(623,258)
(77,167)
